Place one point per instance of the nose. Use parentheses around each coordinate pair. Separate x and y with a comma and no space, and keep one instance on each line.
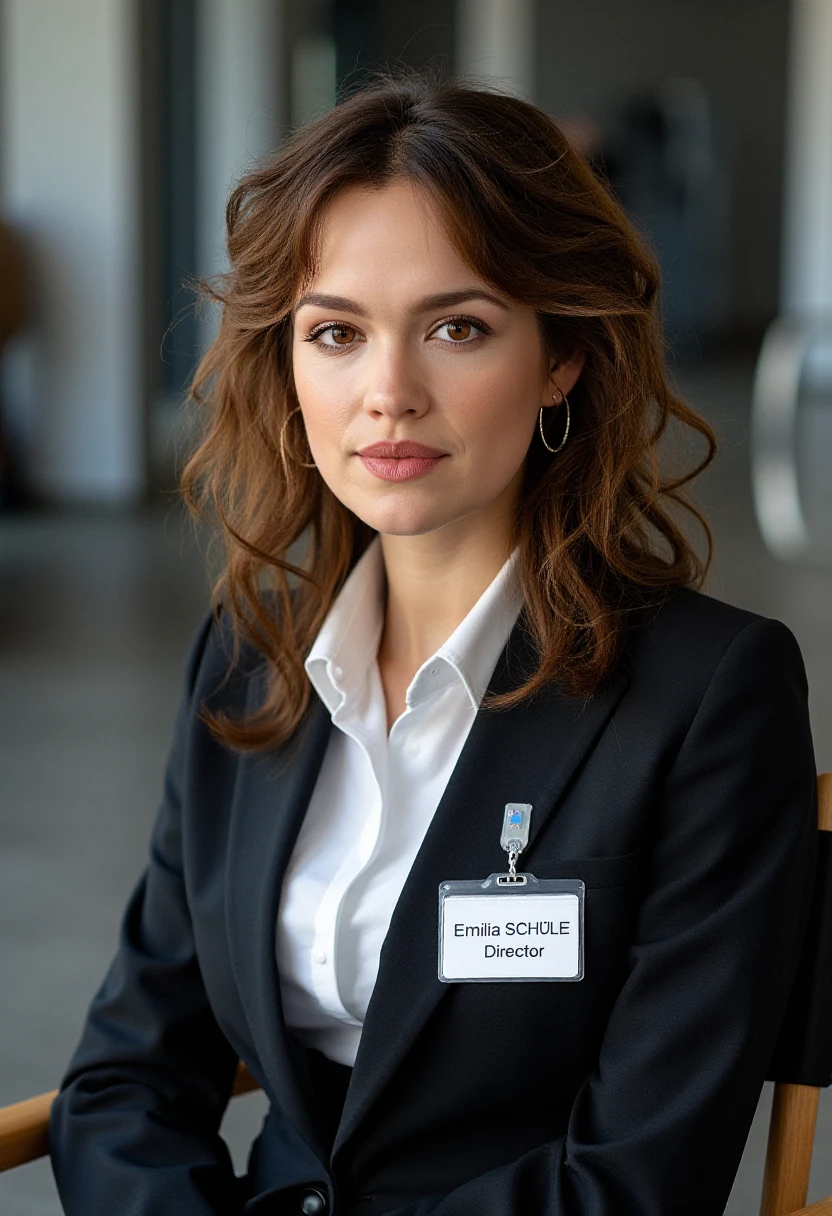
(393,385)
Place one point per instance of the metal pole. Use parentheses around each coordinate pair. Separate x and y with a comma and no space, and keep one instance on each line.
(495,43)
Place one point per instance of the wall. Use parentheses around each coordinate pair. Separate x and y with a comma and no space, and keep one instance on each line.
(593,54)
(68,143)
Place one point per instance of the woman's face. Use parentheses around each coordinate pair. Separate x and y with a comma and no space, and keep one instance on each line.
(396,339)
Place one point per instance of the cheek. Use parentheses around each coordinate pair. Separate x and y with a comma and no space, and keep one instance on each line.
(497,409)
(320,394)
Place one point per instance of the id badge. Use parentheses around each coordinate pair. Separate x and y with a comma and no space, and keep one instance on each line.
(512,927)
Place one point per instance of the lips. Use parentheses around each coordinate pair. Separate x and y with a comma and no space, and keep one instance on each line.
(401,460)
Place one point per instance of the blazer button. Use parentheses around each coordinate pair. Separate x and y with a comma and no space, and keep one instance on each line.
(313,1204)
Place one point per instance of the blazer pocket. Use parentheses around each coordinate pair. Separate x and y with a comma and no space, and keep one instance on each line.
(596,872)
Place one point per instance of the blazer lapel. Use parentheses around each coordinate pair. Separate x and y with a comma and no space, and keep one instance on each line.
(525,754)
(271,797)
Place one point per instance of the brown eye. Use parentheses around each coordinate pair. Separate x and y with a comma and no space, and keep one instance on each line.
(458,331)
(342,335)
(461,331)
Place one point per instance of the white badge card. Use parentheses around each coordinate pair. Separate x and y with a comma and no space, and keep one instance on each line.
(526,929)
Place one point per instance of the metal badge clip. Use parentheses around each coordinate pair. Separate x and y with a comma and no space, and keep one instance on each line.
(514,838)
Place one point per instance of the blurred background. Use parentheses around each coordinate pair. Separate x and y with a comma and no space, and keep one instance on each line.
(122,128)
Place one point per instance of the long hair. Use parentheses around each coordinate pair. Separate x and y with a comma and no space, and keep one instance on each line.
(598,526)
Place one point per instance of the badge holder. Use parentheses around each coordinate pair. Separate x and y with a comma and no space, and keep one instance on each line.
(512,928)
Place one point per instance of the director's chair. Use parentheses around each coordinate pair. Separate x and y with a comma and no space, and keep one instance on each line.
(801,1065)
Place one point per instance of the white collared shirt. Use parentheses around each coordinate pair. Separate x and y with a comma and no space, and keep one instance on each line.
(374,797)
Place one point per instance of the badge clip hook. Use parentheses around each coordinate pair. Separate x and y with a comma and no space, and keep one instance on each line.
(514,838)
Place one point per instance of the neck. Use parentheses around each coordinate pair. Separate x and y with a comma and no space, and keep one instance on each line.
(433,582)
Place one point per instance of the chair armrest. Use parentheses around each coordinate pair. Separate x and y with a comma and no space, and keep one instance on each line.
(24,1131)
(823,1207)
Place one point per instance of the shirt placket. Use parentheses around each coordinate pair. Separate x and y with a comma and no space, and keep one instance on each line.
(327,918)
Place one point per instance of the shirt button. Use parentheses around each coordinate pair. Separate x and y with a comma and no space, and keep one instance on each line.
(338,672)
(313,1204)
(434,671)
(319,956)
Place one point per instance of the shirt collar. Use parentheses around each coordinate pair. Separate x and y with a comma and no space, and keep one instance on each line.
(347,643)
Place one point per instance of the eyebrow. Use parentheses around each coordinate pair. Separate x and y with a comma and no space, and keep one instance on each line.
(446,299)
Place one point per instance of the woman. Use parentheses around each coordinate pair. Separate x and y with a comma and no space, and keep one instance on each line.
(440,363)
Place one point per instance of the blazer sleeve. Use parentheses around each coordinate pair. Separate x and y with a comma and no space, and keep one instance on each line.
(135,1125)
(660,1124)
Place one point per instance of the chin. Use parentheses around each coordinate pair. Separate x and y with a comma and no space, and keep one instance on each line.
(401,520)
(396,528)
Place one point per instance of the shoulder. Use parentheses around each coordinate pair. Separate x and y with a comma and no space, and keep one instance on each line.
(693,618)
(690,639)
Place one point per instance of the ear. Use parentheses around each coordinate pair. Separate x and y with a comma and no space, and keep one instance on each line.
(563,376)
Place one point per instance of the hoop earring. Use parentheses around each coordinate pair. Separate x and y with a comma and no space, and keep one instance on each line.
(565,400)
(282,446)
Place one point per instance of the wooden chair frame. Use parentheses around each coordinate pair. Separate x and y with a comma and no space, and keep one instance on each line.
(24,1127)
(791,1129)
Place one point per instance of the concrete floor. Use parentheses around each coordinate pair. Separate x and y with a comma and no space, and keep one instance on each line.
(95,616)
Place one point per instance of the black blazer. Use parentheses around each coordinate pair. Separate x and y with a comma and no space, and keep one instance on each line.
(683,795)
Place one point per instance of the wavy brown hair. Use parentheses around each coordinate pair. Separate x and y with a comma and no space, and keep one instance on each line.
(597,526)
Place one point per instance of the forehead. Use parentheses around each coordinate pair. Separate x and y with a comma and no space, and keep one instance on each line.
(391,240)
